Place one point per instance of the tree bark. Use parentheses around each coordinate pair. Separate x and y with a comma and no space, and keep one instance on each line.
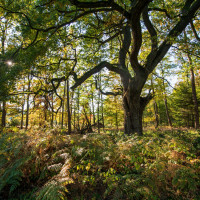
(134,106)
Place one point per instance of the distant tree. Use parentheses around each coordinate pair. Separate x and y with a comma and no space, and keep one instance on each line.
(182,105)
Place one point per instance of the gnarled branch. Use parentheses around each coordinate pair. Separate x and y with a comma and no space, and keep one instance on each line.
(125,46)
(151,30)
(136,12)
(98,68)
(101,4)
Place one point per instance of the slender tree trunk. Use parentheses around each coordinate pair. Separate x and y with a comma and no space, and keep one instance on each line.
(156,114)
(87,120)
(52,113)
(116,114)
(78,107)
(46,109)
(98,113)
(90,115)
(98,106)
(102,110)
(3,119)
(155,107)
(167,112)
(93,110)
(46,102)
(22,118)
(63,106)
(68,109)
(27,102)
(194,95)
(165,101)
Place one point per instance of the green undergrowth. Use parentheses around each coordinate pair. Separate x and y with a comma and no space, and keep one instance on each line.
(45,164)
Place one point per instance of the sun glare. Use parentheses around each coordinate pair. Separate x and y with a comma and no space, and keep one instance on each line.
(9,62)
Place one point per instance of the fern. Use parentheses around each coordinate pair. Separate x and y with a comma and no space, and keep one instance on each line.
(53,190)
(12,178)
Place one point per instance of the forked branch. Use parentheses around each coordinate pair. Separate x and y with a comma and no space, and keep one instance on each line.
(95,70)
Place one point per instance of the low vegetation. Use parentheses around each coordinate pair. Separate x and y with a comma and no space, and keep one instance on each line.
(49,165)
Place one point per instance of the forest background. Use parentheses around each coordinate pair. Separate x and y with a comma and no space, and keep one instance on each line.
(117,72)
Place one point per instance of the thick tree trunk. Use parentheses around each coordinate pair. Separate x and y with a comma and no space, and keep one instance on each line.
(133,117)
(134,106)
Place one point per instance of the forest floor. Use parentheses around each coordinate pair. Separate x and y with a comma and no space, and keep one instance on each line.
(46,164)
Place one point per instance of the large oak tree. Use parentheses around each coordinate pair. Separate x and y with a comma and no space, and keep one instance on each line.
(142,30)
